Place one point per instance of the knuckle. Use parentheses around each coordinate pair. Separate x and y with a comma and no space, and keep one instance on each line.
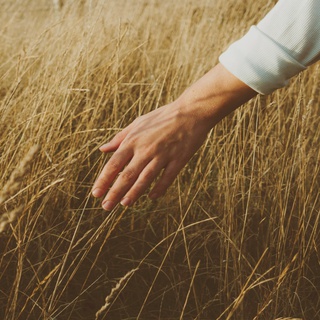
(130,139)
(114,165)
(150,152)
(128,175)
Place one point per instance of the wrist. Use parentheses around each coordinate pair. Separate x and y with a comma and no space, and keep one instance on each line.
(214,96)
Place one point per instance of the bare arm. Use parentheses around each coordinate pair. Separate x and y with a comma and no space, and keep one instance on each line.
(163,141)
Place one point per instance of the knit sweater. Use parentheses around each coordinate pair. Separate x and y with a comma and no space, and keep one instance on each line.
(285,42)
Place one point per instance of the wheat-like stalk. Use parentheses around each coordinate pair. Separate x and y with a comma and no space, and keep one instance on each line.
(120,284)
(17,176)
(9,217)
(13,185)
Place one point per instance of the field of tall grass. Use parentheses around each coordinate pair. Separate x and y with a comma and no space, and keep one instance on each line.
(236,236)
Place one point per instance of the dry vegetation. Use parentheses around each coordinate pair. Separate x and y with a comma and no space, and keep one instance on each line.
(236,237)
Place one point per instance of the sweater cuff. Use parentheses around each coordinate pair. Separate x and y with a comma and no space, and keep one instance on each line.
(260,62)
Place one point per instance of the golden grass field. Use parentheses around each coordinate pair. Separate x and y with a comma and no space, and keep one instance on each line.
(237,235)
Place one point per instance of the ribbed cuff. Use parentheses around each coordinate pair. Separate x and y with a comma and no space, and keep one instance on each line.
(260,62)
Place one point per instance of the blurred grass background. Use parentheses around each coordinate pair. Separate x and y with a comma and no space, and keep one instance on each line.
(236,237)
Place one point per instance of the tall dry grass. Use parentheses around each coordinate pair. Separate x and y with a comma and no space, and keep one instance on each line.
(236,237)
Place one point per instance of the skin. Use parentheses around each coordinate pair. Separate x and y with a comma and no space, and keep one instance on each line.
(160,143)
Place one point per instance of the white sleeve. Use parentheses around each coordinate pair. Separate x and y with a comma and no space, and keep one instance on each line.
(281,45)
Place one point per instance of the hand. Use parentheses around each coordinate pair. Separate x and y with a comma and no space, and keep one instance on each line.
(161,142)
(157,144)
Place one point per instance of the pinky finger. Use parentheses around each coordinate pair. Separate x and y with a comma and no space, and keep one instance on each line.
(168,176)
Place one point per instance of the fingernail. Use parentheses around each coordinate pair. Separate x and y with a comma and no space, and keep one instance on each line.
(97,193)
(125,202)
(103,146)
(108,205)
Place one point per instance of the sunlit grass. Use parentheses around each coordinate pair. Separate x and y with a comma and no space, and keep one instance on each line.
(235,237)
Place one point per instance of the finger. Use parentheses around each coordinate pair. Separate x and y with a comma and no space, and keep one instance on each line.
(168,176)
(115,142)
(115,164)
(146,177)
(123,183)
